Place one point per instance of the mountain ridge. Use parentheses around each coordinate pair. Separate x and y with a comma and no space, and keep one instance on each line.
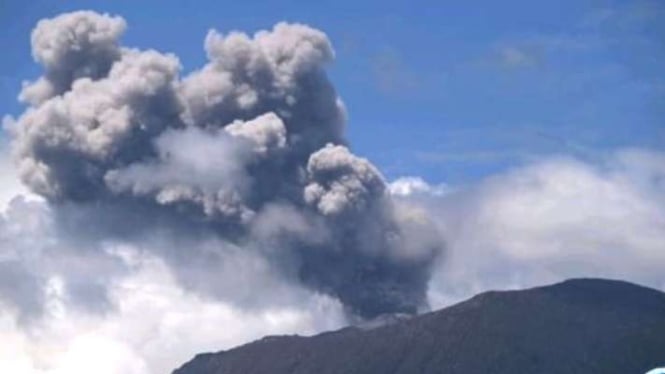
(582,325)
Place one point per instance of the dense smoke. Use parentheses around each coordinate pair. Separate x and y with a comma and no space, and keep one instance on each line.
(249,148)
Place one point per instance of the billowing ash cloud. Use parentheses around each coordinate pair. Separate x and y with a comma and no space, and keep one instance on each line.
(250,147)
(80,45)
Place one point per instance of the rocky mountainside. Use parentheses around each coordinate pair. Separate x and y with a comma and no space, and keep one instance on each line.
(584,326)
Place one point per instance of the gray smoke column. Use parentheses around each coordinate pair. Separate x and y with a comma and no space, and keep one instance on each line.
(250,146)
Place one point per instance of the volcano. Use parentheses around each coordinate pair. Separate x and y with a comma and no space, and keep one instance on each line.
(578,326)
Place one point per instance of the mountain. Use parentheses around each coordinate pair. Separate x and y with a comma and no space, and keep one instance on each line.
(584,326)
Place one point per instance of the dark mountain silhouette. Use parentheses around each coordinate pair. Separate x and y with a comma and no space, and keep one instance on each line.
(583,326)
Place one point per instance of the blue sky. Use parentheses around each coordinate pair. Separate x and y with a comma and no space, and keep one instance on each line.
(448,91)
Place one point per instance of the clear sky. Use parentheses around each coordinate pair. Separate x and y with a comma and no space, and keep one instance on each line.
(448,91)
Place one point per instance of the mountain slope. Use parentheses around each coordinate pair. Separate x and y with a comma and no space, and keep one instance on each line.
(578,326)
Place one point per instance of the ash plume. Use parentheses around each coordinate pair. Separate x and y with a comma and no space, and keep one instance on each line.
(250,147)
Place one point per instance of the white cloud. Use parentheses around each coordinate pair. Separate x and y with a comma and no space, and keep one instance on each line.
(156,317)
(156,327)
(552,220)
(10,185)
(541,223)
(408,186)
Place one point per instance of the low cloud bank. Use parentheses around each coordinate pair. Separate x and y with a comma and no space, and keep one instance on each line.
(550,220)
